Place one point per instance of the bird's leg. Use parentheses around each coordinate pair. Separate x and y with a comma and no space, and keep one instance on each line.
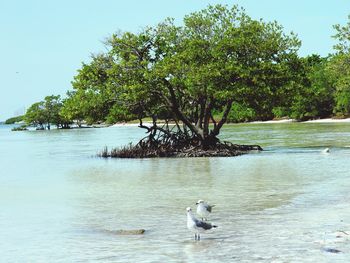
(199,237)
(195,236)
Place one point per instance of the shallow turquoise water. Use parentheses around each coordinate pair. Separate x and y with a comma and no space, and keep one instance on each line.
(59,203)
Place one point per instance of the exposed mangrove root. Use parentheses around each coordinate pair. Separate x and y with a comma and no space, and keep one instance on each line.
(220,150)
(175,141)
(151,149)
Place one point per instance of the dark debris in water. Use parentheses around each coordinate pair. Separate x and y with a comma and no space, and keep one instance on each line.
(331,250)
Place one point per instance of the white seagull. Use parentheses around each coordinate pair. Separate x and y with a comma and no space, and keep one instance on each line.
(203,209)
(326,150)
(197,225)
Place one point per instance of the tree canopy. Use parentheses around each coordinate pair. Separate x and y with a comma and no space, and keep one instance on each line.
(14,119)
(339,69)
(219,57)
(44,113)
(219,65)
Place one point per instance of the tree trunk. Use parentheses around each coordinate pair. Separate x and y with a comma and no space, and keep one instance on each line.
(209,141)
(201,128)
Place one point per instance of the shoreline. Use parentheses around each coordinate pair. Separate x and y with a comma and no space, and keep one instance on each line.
(327,120)
(149,124)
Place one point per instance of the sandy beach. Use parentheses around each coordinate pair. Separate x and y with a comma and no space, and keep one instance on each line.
(125,124)
(329,120)
(274,121)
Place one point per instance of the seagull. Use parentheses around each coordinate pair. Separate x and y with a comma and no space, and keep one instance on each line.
(203,209)
(326,150)
(197,225)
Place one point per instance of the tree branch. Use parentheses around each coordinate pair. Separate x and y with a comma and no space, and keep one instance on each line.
(162,96)
(206,118)
(143,126)
(216,129)
(176,109)
(213,120)
(199,124)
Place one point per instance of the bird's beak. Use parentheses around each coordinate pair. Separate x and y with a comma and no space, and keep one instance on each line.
(197,203)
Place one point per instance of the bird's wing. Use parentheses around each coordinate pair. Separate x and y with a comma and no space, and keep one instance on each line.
(208,207)
(203,225)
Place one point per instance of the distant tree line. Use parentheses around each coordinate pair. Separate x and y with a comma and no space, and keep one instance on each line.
(44,113)
(220,66)
(14,120)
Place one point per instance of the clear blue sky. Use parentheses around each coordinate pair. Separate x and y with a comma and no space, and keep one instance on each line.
(43,42)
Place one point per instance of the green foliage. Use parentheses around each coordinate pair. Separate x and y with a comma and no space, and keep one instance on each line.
(314,95)
(119,114)
(92,97)
(46,112)
(20,128)
(339,69)
(240,113)
(219,56)
(219,62)
(52,106)
(14,119)
(35,115)
(71,109)
(343,37)
(280,112)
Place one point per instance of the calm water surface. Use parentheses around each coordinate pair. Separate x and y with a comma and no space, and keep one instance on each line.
(59,203)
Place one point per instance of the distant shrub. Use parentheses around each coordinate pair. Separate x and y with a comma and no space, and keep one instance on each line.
(14,119)
(280,112)
(20,128)
(240,113)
